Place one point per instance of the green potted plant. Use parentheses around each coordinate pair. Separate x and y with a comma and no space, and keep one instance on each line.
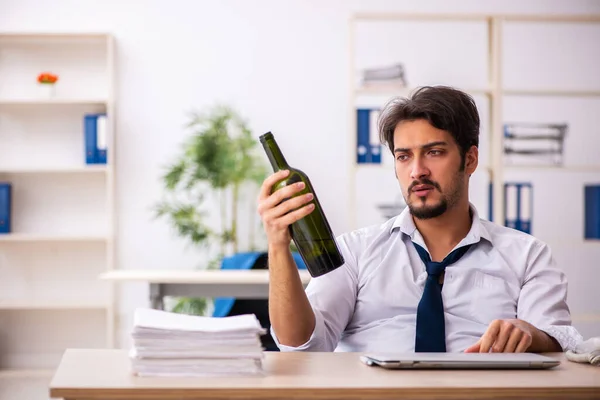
(220,161)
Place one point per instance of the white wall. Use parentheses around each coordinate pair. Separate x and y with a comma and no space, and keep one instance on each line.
(284,64)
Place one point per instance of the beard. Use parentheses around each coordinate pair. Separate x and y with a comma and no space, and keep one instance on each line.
(448,199)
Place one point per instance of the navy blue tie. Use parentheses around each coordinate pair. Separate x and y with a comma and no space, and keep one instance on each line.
(431,330)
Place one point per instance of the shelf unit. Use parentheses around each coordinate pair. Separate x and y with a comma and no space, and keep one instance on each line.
(494,91)
(63,213)
(491,83)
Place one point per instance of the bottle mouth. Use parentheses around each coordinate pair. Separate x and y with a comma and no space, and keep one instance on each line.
(264,137)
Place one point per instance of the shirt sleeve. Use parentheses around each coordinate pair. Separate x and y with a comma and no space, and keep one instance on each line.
(543,298)
(332,297)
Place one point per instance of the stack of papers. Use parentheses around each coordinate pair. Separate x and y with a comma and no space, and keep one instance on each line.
(170,344)
(386,75)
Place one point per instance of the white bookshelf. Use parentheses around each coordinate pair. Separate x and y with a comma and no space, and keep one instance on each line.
(63,217)
(513,66)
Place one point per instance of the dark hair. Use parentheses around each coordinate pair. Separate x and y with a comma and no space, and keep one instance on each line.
(443,107)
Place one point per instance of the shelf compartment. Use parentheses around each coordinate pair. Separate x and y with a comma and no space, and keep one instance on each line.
(580,144)
(53,275)
(81,62)
(37,339)
(53,133)
(65,206)
(383,43)
(535,56)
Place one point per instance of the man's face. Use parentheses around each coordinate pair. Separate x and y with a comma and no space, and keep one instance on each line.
(429,168)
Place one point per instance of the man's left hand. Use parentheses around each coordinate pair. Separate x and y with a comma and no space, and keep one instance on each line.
(510,336)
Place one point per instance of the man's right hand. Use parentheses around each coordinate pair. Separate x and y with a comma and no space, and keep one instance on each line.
(277,215)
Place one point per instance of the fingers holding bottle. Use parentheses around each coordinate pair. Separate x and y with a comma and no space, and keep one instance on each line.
(283,207)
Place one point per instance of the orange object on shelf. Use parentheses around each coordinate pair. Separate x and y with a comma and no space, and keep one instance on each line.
(47,77)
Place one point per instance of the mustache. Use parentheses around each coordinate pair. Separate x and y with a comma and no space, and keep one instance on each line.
(424,181)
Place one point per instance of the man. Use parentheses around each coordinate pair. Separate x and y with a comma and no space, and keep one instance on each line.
(435,278)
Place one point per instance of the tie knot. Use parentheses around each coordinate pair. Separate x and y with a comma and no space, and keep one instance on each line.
(435,268)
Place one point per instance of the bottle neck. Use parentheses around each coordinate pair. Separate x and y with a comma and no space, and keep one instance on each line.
(274,153)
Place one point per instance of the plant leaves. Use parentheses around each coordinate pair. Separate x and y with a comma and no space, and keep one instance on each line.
(220,153)
(190,305)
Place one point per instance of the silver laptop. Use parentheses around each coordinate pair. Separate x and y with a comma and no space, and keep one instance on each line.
(459,360)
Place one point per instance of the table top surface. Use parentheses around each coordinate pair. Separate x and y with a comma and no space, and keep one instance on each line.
(106,374)
(207,277)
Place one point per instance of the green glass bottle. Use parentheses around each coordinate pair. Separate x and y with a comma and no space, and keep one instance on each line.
(311,234)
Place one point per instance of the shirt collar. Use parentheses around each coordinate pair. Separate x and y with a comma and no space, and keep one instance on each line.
(406,224)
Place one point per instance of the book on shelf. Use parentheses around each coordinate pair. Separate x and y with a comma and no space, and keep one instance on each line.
(534,143)
(383,84)
(5,207)
(592,211)
(95,135)
(384,77)
(368,147)
(518,205)
(383,73)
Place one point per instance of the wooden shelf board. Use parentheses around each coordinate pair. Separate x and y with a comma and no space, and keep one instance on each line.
(18,373)
(31,237)
(428,17)
(551,92)
(55,101)
(384,89)
(91,169)
(43,304)
(568,168)
(56,35)
(374,166)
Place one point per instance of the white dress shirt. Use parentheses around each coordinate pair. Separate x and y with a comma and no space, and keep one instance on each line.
(370,303)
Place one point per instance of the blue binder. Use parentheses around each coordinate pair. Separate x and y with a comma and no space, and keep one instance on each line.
(90,134)
(592,211)
(95,138)
(518,206)
(101,137)
(362,136)
(491,201)
(368,148)
(5,207)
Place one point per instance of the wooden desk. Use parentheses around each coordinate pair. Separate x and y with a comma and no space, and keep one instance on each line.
(247,284)
(104,374)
